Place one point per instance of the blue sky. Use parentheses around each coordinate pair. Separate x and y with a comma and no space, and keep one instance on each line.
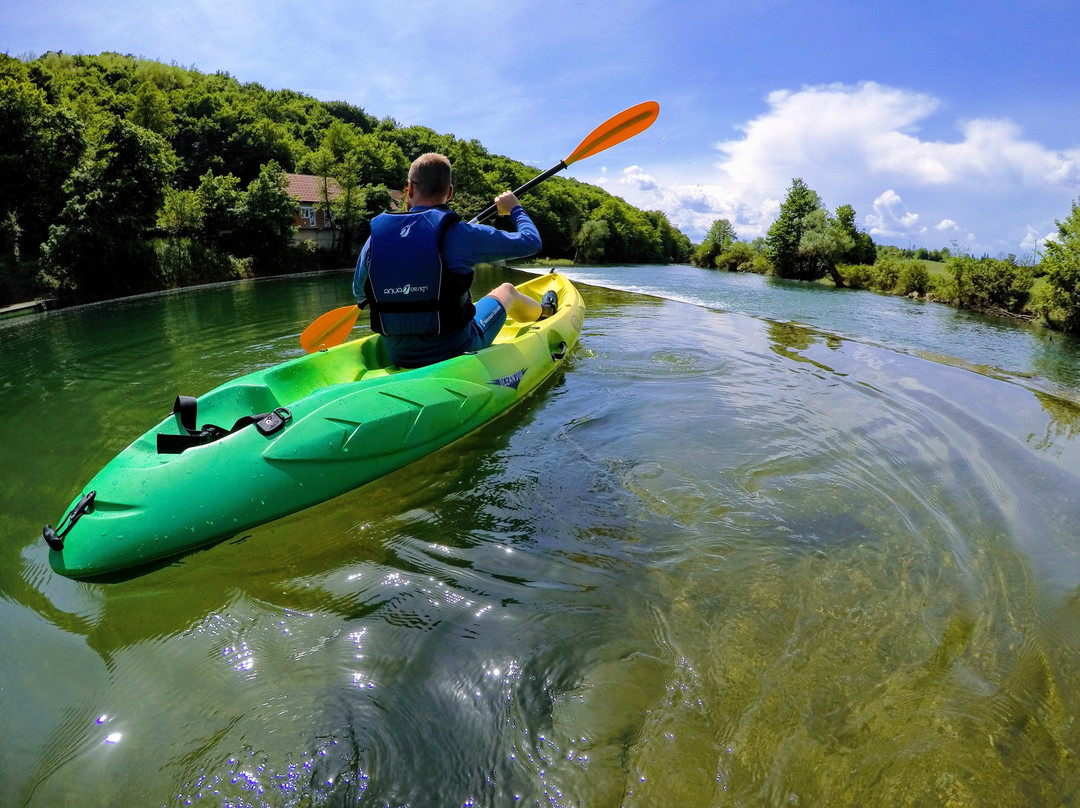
(939,123)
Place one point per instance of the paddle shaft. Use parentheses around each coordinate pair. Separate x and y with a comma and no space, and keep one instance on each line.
(616,129)
(489,211)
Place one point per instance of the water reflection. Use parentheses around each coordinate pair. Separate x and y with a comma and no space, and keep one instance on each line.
(1044,359)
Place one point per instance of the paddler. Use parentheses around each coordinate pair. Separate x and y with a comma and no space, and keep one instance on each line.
(416,271)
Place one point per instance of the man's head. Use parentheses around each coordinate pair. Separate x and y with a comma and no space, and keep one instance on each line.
(431,179)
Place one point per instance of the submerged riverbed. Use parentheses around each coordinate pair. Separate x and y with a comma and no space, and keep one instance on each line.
(722,560)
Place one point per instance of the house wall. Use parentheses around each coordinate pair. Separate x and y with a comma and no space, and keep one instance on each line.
(312,225)
(321,238)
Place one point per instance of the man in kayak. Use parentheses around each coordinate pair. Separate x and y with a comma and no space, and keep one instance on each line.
(416,270)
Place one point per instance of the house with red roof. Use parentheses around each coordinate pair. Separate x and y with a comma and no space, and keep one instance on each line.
(315,222)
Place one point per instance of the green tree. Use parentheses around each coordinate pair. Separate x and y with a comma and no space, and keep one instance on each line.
(740,256)
(674,246)
(591,239)
(255,144)
(630,238)
(265,216)
(823,244)
(381,161)
(349,207)
(219,202)
(989,284)
(783,240)
(1061,262)
(40,147)
(180,218)
(862,250)
(99,244)
(152,111)
(720,237)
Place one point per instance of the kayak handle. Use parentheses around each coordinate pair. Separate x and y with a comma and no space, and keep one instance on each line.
(555,357)
(55,537)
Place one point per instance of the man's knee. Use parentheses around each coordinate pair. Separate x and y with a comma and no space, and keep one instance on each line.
(504,293)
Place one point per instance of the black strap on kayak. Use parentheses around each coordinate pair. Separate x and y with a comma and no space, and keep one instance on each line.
(185,409)
(54,537)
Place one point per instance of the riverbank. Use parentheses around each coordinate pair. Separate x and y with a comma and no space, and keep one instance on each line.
(29,307)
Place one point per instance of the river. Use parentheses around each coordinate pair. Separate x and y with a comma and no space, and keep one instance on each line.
(759,544)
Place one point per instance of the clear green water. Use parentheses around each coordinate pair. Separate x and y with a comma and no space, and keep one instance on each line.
(722,561)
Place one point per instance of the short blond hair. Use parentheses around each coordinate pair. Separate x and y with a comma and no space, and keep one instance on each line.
(431,174)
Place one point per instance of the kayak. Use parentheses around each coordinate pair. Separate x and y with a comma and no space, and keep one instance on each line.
(289,436)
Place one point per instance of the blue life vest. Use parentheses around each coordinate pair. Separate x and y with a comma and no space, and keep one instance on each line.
(409,288)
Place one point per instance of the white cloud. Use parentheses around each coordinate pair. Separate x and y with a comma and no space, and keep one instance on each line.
(1035,239)
(870,130)
(847,142)
(891,218)
(694,207)
(833,129)
(635,177)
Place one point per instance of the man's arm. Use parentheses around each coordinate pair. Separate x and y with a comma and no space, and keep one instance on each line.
(467,244)
(363,265)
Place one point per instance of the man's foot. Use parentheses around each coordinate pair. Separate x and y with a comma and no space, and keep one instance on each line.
(549,303)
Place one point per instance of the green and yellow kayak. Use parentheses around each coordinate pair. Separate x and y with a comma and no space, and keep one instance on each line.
(296,434)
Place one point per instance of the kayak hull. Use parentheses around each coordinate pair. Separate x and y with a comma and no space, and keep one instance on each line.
(351,418)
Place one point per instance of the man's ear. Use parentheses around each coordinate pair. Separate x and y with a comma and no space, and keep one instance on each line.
(450,193)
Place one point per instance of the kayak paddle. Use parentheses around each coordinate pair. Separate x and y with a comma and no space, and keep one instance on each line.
(330,329)
(614,130)
(333,327)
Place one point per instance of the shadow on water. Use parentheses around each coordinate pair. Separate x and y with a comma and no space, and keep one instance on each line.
(720,561)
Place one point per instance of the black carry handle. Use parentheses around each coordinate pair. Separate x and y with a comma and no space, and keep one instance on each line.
(55,537)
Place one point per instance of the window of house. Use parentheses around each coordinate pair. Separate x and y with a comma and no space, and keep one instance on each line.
(307,212)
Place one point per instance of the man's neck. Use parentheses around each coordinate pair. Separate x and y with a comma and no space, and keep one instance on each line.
(427,202)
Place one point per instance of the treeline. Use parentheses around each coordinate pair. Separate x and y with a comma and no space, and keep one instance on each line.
(120,174)
(808,243)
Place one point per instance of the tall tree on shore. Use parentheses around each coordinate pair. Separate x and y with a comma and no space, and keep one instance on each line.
(720,237)
(266,215)
(785,235)
(862,250)
(823,245)
(1061,261)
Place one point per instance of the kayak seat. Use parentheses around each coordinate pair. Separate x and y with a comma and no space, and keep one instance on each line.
(189,434)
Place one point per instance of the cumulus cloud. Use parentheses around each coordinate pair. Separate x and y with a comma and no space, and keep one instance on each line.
(891,217)
(694,207)
(635,177)
(864,145)
(1035,239)
(870,130)
(833,129)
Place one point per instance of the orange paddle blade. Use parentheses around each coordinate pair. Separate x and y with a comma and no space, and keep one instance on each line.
(621,127)
(330,329)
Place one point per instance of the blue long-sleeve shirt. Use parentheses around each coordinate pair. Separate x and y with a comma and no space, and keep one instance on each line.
(464,246)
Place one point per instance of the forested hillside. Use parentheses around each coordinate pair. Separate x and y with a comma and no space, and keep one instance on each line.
(120,174)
